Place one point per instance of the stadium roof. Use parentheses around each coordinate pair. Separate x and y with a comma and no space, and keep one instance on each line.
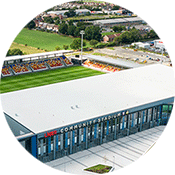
(118,20)
(44,54)
(118,61)
(52,106)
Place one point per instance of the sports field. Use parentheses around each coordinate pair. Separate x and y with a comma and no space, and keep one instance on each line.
(9,84)
(42,40)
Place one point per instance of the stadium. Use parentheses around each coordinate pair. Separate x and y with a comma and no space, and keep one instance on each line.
(60,119)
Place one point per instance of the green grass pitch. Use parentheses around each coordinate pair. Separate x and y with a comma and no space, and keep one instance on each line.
(19,82)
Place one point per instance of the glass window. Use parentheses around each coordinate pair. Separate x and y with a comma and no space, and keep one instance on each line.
(149,114)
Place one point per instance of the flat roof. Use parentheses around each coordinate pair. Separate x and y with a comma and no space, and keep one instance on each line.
(134,19)
(118,61)
(52,106)
(118,20)
(37,55)
(106,21)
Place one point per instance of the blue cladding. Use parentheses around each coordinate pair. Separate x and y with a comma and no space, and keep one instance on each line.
(132,120)
(143,116)
(107,132)
(123,123)
(34,146)
(95,131)
(57,142)
(73,137)
(49,144)
(84,137)
(66,140)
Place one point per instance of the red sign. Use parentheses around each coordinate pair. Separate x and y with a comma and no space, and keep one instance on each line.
(49,134)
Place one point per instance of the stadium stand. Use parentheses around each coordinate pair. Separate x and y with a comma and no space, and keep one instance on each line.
(6,71)
(35,65)
(38,65)
(101,66)
(66,60)
(20,68)
(54,63)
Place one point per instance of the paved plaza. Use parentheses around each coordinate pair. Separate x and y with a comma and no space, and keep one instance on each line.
(118,153)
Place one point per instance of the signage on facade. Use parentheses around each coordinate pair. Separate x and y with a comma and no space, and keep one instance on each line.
(85,124)
(49,134)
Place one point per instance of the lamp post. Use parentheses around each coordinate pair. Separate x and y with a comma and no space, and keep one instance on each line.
(114,162)
(82,33)
(162,55)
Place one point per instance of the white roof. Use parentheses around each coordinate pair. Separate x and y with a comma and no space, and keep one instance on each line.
(49,107)
(118,20)
(59,52)
(117,62)
(57,12)
(82,10)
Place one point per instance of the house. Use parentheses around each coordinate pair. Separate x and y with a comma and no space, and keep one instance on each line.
(50,26)
(110,38)
(141,45)
(55,28)
(36,23)
(42,25)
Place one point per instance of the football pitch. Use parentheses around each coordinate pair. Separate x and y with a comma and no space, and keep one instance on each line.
(19,82)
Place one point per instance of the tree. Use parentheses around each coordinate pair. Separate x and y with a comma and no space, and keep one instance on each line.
(70,22)
(93,42)
(76,44)
(77,31)
(30,25)
(134,35)
(70,13)
(115,7)
(118,28)
(152,34)
(65,47)
(71,30)
(48,20)
(57,48)
(57,22)
(14,52)
(93,32)
(63,28)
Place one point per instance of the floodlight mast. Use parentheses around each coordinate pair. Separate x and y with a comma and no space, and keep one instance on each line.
(82,33)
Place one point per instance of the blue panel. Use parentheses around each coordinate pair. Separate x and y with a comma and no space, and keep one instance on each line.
(84,135)
(160,113)
(107,131)
(57,142)
(66,140)
(143,117)
(73,137)
(95,131)
(49,144)
(132,124)
(123,123)
(34,146)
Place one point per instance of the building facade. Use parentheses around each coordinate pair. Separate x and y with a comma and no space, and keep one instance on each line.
(57,120)
(60,142)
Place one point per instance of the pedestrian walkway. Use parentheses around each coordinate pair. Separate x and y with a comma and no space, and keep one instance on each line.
(118,153)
